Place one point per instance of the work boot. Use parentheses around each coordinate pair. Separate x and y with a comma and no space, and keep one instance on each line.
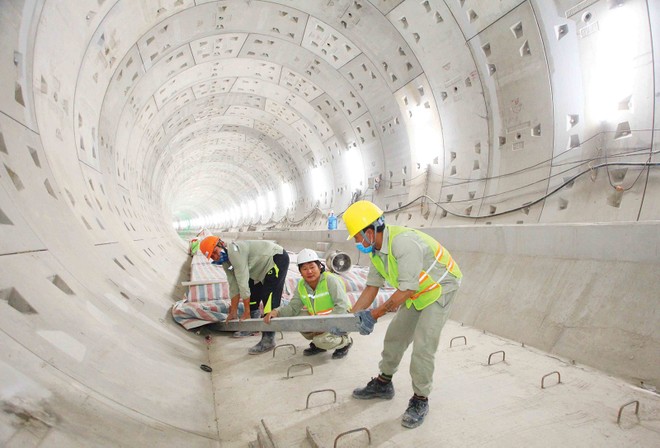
(254,314)
(266,344)
(313,350)
(375,389)
(414,415)
(341,352)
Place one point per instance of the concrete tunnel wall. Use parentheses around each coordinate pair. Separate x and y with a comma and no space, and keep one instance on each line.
(117,120)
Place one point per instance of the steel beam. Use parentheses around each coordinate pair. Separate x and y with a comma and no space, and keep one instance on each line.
(342,322)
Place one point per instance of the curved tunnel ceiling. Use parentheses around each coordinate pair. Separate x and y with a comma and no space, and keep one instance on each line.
(235,113)
(119,118)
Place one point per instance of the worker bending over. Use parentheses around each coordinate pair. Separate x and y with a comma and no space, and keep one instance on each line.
(318,293)
(256,271)
(426,279)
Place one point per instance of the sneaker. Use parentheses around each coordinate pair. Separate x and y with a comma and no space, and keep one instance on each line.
(313,350)
(375,389)
(341,352)
(244,334)
(414,415)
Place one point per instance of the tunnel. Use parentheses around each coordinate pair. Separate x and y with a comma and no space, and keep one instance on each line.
(518,133)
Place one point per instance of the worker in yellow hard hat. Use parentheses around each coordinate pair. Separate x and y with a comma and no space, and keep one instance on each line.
(426,279)
(318,293)
(256,271)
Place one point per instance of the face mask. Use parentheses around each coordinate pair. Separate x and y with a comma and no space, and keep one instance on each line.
(361,248)
(364,250)
(221,258)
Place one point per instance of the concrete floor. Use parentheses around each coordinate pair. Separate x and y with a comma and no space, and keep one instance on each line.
(473,404)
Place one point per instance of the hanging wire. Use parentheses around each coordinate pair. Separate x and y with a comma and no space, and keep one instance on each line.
(524,206)
(545,179)
(531,167)
(357,195)
(286,219)
(620,187)
(527,204)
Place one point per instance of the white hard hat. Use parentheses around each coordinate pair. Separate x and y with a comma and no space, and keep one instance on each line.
(307,255)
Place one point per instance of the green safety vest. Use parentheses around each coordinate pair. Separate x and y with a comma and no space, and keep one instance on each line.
(323,303)
(429,289)
(194,246)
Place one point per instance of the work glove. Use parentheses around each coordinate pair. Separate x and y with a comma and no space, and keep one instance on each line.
(367,322)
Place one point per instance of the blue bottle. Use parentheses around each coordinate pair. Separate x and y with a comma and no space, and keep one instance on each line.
(332,221)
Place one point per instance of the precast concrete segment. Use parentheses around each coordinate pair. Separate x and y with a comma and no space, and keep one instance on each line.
(341,322)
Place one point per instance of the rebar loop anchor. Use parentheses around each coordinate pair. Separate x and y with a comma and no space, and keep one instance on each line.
(301,364)
(635,402)
(547,375)
(495,353)
(351,431)
(319,391)
(284,345)
(457,337)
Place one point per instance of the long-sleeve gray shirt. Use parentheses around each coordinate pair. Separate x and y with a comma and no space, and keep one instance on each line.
(248,260)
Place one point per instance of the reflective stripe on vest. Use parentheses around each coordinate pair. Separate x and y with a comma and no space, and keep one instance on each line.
(323,303)
(429,289)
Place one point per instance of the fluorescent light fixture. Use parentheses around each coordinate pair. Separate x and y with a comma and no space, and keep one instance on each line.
(287,195)
(354,167)
(261,207)
(318,181)
(272,202)
(425,137)
(252,209)
(245,212)
(617,46)
(216,219)
(235,215)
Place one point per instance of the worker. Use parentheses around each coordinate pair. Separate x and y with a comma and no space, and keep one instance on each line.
(318,293)
(194,242)
(426,279)
(256,271)
(194,246)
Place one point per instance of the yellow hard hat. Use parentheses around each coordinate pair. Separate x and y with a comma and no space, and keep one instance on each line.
(360,215)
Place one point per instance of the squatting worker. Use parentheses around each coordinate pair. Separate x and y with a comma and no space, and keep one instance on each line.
(256,271)
(318,293)
(426,279)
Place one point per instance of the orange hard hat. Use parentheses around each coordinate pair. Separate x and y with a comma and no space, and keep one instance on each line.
(208,244)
